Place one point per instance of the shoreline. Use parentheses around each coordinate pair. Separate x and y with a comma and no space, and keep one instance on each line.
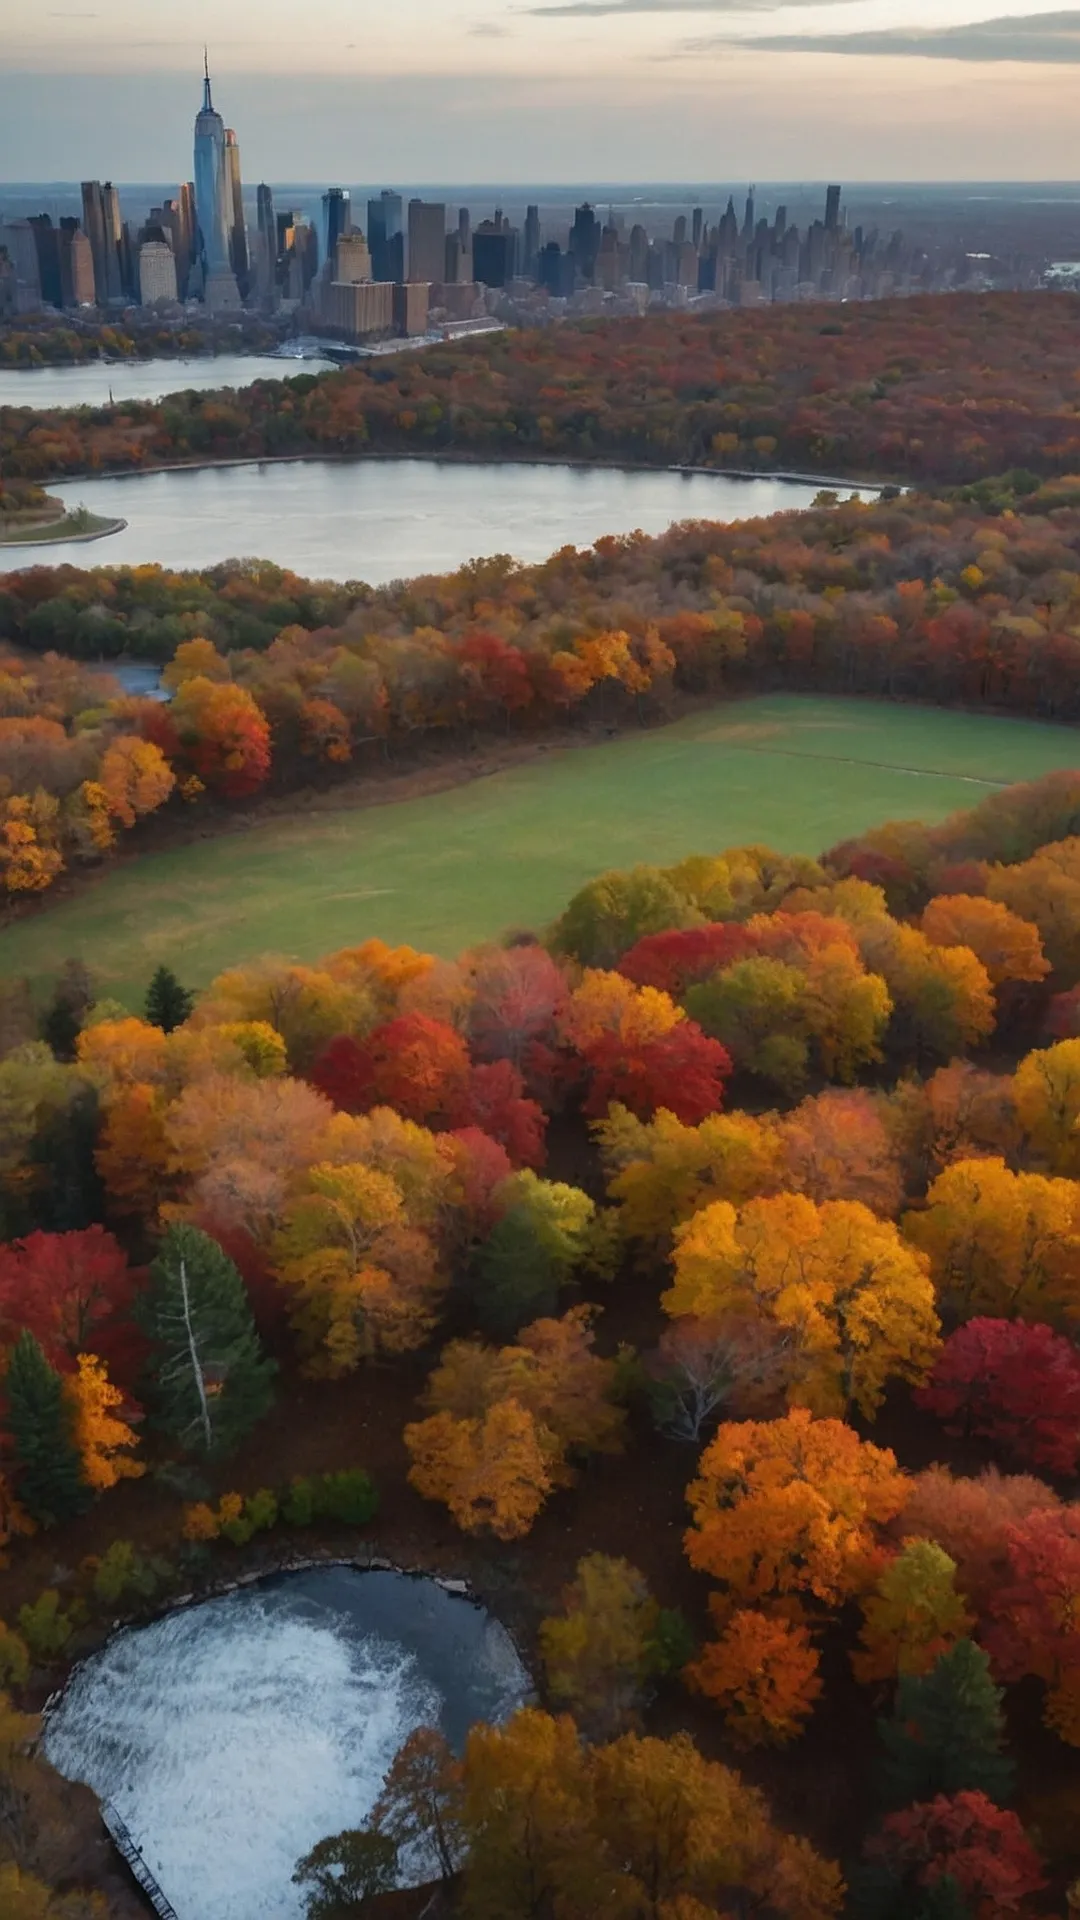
(449,457)
(55,534)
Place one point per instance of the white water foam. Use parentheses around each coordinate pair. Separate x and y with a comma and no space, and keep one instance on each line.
(232,1736)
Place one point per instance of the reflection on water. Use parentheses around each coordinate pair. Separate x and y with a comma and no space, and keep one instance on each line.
(233,1735)
(382,520)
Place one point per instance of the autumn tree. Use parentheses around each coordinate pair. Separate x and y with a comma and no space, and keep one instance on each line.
(532,1250)
(104,1440)
(1046,1091)
(662,1171)
(611,913)
(704,1369)
(362,1278)
(1034,1622)
(493,1472)
(223,735)
(946,1731)
(209,1381)
(600,1653)
(419,1803)
(970,1517)
(791,1507)
(914,1614)
(1015,1384)
(855,1301)
(345,1872)
(1000,1243)
(762,1672)
(65,1288)
(41,1425)
(982,1849)
(1009,948)
(135,777)
(942,998)
(836,1145)
(416,1065)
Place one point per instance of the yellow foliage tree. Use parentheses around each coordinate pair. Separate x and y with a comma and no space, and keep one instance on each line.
(493,1473)
(856,1301)
(661,1171)
(1001,1243)
(135,777)
(1046,1092)
(105,1442)
(913,1616)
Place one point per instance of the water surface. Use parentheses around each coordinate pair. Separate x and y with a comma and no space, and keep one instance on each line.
(380,520)
(91,385)
(232,1736)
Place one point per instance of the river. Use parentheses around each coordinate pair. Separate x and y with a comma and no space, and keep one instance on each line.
(381,520)
(91,385)
(230,1737)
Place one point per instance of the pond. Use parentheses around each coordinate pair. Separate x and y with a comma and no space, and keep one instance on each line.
(233,1735)
(382,520)
(92,385)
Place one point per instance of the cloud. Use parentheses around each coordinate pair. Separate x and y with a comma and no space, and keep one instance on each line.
(591,9)
(1042,38)
(489,30)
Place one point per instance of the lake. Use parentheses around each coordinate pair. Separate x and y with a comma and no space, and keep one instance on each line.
(381,520)
(90,386)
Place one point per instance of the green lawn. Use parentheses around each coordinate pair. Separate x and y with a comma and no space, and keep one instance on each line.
(508,850)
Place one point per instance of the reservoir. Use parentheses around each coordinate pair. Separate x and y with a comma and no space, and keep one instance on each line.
(382,520)
(232,1736)
(90,385)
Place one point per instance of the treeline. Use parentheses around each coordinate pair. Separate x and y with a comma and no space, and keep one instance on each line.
(44,341)
(276,680)
(833,1206)
(929,389)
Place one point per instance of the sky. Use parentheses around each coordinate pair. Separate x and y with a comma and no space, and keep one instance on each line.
(545,91)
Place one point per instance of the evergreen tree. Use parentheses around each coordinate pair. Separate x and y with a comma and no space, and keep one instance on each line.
(209,1381)
(946,1732)
(41,1423)
(167,1002)
(62,1021)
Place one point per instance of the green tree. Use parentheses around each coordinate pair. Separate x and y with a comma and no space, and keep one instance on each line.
(609,915)
(610,1641)
(40,1420)
(946,1732)
(209,1381)
(62,1021)
(167,1002)
(532,1251)
(346,1871)
(757,1009)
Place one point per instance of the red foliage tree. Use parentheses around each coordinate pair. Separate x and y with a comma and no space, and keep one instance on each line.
(494,1101)
(480,1167)
(676,960)
(223,735)
(682,1070)
(982,1847)
(1034,1609)
(70,1290)
(518,993)
(1013,1383)
(416,1065)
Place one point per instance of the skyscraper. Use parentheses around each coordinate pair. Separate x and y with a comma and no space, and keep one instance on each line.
(238,246)
(832,209)
(336,220)
(427,240)
(266,245)
(386,236)
(93,206)
(212,203)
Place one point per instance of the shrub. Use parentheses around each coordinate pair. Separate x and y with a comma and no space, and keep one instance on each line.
(298,1504)
(124,1573)
(348,1497)
(14,1658)
(45,1628)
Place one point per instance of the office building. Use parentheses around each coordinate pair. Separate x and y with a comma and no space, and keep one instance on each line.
(427,240)
(17,241)
(585,243)
(360,310)
(336,220)
(531,243)
(81,267)
(93,219)
(351,259)
(238,246)
(213,206)
(157,273)
(411,308)
(386,236)
(494,245)
(832,209)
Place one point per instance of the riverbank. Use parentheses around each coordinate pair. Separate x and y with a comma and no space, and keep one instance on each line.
(74,528)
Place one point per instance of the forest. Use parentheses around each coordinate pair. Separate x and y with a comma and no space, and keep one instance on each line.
(704,1268)
(945,389)
(279,683)
(46,340)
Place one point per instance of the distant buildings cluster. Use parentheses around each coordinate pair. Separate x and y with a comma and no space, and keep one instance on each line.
(413,263)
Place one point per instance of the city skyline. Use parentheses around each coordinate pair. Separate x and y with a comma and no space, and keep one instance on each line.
(524,90)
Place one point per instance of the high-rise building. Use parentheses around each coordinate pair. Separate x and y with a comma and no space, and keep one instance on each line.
(83,291)
(386,236)
(427,240)
(157,273)
(93,219)
(114,233)
(493,253)
(351,260)
(531,243)
(213,208)
(238,246)
(832,209)
(47,243)
(585,242)
(336,220)
(17,240)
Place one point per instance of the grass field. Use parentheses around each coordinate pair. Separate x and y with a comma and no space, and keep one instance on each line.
(508,850)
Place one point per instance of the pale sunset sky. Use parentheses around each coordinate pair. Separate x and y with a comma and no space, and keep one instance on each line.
(562,90)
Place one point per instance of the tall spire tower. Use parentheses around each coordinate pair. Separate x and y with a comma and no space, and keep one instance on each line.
(213,203)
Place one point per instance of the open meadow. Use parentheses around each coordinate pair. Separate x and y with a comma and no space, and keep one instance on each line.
(508,850)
